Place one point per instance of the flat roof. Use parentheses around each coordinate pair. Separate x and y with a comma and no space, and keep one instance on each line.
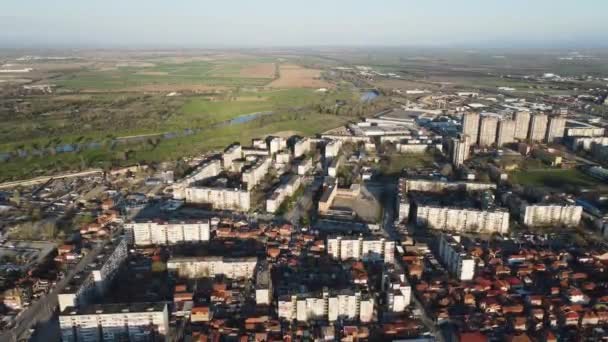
(106,309)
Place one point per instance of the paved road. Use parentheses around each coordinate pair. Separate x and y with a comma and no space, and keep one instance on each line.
(43,309)
(389,196)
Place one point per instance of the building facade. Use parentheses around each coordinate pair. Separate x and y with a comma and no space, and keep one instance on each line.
(470,125)
(115,322)
(522,125)
(167,233)
(456,260)
(366,249)
(461,220)
(487,130)
(547,214)
(506,132)
(220,198)
(347,305)
(538,127)
(556,129)
(211,266)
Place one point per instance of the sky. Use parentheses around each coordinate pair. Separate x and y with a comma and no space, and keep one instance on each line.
(291,23)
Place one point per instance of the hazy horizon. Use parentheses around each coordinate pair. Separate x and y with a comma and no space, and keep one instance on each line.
(273,23)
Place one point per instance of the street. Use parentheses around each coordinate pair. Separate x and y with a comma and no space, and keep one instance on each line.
(43,309)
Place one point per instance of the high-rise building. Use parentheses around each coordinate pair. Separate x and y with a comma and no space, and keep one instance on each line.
(453,255)
(487,130)
(522,124)
(538,127)
(506,132)
(557,128)
(460,148)
(470,125)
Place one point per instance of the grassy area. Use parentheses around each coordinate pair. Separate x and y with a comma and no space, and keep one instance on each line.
(201,110)
(559,179)
(213,73)
(170,149)
(397,162)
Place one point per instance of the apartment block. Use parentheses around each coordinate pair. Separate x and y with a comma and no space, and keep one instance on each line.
(346,304)
(211,266)
(359,248)
(256,172)
(284,191)
(436,186)
(470,125)
(115,322)
(304,166)
(231,153)
(301,147)
(538,127)
(460,220)
(95,280)
(332,148)
(460,148)
(585,143)
(522,125)
(506,132)
(457,261)
(487,130)
(167,233)
(263,284)
(550,214)
(220,198)
(556,129)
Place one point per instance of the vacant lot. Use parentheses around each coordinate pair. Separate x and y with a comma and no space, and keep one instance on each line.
(556,179)
(261,70)
(295,76)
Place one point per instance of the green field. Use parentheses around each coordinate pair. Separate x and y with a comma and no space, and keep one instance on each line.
(397,162)
(558,179)
(170,149)
(216,73)
(203,110)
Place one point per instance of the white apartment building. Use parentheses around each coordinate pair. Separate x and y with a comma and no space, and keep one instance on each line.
(425,185)
(87,284)
(304,166)
(585,143)
(506,132)
(550,214)
(461,220)
(453,256)
(263,284)
(397,289)
(301,147)
(255,173)
(460,149)
(332,148)
(538,127)
(275,144)
(115,322)
(282,192)
(347,304)
(231,153)
(359,248)
(522,125)
(210,168)
(470,125)
(211,266)
(220,198)
(167,233)
(487,130)
(556,129)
